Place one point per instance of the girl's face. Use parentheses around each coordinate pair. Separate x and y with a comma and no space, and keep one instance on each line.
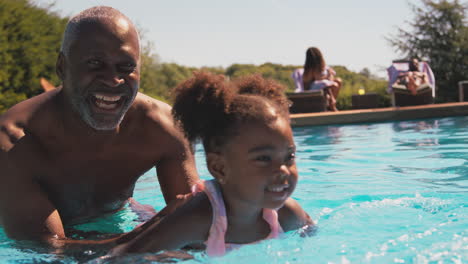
(259,164)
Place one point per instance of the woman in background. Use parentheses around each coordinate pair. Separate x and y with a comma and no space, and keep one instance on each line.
(317,76)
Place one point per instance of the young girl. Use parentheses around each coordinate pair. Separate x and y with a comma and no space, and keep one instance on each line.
(244,128)
(318,76)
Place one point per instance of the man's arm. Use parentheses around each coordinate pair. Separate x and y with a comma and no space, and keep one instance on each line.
(176,174)
(26,213)
(176,167)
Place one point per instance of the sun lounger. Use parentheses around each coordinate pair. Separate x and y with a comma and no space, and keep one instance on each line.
(463,91)
(401,96)
(306,101)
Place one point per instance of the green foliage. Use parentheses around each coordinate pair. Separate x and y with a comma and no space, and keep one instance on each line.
(352,82)
(10,98)
(29,44)
(439,34)
(158,79)
(277,72)
(166,77)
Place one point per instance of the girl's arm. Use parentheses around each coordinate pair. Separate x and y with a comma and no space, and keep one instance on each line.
(292,216)
(188,224)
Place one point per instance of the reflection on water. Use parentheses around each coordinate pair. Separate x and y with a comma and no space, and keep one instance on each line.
(418,133)
(429,151)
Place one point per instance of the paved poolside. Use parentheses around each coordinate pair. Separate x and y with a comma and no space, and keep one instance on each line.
(380,114)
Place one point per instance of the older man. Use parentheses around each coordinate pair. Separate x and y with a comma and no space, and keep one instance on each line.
(75,153)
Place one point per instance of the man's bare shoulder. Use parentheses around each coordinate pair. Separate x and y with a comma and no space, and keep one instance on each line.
(22,116)
(155,115)
(153,108)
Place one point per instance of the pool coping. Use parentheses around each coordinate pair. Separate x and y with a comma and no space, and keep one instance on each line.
(380,114)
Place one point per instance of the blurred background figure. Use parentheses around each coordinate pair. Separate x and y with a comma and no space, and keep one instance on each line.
(414,78)
(316,76)
(411,82)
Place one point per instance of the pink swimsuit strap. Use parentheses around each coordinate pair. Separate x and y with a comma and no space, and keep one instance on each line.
(215,244)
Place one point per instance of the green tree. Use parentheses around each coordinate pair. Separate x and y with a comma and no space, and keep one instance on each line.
(277,72)
(29,44)
(148,71)
(159,79)
(438,34)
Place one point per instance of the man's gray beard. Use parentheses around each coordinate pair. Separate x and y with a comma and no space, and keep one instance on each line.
(83,110)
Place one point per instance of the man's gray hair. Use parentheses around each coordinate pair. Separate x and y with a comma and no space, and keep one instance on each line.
(91,15)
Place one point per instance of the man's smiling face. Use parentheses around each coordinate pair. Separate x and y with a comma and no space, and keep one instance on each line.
(101,72)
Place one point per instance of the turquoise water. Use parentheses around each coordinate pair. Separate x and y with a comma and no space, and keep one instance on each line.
(379,193)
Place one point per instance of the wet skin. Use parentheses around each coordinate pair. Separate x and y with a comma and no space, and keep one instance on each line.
(66,157)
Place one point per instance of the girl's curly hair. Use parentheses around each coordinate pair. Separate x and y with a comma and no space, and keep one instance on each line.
(209,108)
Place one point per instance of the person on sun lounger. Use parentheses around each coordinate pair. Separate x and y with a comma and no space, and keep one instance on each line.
(413,79)
(316,76)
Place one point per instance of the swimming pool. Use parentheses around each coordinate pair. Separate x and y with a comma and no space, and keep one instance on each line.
(380,193)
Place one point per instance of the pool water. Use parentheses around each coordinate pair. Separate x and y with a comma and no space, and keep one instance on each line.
(379,193)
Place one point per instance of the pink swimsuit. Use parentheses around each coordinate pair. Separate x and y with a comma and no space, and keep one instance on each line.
(215,244)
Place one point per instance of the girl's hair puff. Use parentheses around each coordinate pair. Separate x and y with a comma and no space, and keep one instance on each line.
(209,108)
(256,85)
(201,104)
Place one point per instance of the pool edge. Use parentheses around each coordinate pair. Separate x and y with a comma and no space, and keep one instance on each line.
(380,114)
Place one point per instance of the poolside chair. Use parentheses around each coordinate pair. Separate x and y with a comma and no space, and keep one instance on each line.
(305,101)
(463,91)
(401,96)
